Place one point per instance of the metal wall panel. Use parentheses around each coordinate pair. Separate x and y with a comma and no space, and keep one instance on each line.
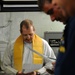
(53,38)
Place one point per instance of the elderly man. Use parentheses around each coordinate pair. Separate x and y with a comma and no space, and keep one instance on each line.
(19,59)
(65,63)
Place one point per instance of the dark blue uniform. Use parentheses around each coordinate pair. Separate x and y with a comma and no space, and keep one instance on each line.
(65,63)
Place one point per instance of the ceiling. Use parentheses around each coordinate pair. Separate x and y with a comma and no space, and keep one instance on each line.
(18,6)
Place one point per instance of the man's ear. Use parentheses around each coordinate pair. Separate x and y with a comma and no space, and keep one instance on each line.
(34,30)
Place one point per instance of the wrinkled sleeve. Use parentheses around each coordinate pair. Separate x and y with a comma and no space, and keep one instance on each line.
(7,63)
(48,52)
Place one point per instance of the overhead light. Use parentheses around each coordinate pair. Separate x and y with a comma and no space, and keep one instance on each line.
(19,0)
(20,5)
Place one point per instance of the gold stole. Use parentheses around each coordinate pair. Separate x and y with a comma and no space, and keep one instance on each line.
(18,51)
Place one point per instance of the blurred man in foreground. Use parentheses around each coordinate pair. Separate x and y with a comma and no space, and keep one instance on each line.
(65,63)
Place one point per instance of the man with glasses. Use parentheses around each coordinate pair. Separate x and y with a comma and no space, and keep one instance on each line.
(65,63)
(54,11)
(19,59)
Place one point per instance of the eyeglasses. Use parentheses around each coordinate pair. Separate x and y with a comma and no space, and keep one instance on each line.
(50,12)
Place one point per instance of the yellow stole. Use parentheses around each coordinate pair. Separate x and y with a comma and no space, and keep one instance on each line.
(18,51)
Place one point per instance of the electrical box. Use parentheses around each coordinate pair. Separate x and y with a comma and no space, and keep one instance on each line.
(53,38)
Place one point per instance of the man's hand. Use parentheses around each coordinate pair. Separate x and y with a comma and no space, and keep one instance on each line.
(31,73)
(51,71)
(53,63)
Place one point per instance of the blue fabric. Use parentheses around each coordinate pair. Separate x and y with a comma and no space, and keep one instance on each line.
(65,63)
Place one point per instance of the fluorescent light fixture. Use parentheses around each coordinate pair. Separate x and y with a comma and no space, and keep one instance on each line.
(20,5)
(19,0)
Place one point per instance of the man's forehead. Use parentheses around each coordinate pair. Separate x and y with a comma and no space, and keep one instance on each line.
(47,6)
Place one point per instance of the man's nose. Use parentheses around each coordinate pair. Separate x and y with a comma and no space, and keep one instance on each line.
(28,36)
(52,18)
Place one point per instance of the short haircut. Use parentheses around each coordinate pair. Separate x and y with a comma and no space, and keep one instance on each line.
(42,2)
(27,23)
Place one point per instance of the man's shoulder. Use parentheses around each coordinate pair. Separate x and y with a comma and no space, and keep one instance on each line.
(11,44)
(71,22)
(44,40)
(72,19)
